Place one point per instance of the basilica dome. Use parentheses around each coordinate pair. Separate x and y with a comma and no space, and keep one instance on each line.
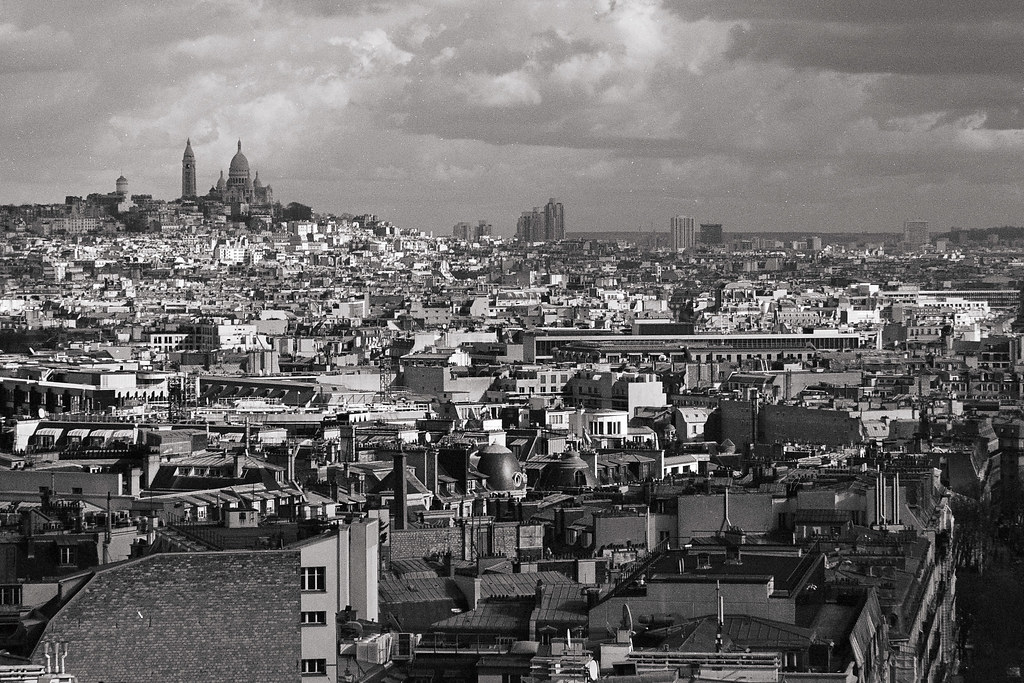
(239,168)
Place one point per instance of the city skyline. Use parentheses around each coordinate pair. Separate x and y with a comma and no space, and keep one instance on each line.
(760,118)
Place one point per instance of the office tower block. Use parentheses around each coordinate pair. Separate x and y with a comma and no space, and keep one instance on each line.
(683,232)
(915,233)
(554,221)
(530,227)
(711,234)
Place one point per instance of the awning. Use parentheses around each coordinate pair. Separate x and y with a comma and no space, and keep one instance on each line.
(55,432)
(79,433)
(123,434)
(104,434)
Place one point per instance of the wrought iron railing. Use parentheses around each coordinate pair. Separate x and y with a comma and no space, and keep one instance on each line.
(201,532)
(632,571)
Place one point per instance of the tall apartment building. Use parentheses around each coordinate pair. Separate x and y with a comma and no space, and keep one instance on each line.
(710,234)
(554,221)
(683,232)
(542,224)
(915,233)
(472,233)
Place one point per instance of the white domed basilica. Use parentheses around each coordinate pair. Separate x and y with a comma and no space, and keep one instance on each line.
(239,188)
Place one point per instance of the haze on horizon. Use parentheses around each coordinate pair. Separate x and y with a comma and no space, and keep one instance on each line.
(785,115)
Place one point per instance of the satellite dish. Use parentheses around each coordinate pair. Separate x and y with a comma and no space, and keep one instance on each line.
(592,669)
(42,413)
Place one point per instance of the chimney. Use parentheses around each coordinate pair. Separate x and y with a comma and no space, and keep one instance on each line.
(430,469)
(449,566)
(539,593)
(400,522)
(882,517)
(239,460)
(46,653)
(896,499)
(726,524)
(292,454)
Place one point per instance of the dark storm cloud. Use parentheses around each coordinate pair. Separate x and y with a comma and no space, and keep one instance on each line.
(902,48)
(861,11)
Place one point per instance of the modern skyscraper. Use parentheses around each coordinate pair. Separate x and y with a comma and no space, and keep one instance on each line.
(554,221)
(915,234)
(542,225)
(711,234)
(188,172)
(530,227)
(683,231)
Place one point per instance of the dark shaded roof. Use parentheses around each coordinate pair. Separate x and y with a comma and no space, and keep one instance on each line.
(416,603)
(255,471)
(740,631)
(185,617)
(563,604)
(523,585)
(822,516)
(505,617)
(788,571)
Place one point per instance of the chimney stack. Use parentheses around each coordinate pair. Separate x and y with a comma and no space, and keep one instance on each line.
(401,487)
(726,524)
(896,499)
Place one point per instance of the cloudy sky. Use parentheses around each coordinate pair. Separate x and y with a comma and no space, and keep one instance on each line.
(809,115)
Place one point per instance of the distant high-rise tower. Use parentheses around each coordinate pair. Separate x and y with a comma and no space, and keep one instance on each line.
(711,234)
(530,227)
(554,221)
(188,172)
(122,187)
(684,232)
(915,234)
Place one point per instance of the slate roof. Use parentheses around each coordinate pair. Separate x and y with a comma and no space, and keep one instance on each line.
(788,571)
(415,604)
(563,605)
(508,618)
(739,632)
(185,617)
(522,585)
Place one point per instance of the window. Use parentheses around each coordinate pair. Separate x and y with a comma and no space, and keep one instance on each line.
(10,595)
(314,666)
(313,618)
(76,490)
(314,578)
(67,554)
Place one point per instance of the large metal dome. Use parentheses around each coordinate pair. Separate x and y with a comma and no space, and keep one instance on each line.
(501,467)
(568,472)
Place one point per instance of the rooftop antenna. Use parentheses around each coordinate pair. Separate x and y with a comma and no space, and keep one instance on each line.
(107,534)
(721,616)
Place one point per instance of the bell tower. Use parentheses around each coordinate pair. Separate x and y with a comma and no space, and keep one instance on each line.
(188,172)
